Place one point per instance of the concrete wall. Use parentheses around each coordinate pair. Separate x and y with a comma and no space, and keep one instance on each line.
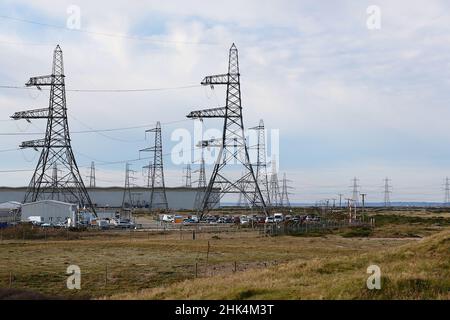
(178,198)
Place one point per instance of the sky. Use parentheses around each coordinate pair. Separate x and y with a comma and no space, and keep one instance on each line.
(339,98)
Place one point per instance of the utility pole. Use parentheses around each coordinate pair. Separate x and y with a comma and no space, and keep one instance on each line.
(340,199)
(56,146)
(387,191)
(232,145)
(363,196)
(158,197)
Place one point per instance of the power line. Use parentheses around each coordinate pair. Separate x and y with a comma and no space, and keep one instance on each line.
(109,90)
(106,34)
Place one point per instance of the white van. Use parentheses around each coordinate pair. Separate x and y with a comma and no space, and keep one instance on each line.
(168,218)
(37,220)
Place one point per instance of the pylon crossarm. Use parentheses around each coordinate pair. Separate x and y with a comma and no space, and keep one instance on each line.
(40,143)
(212,143)
(216,80)
(40,81)
(208,113)
(31,114)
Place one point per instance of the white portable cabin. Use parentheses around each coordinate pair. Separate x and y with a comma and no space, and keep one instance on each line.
(51,211)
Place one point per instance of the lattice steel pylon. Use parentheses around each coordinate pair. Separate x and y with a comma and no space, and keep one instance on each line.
(158,197)
(284,198)
(274,186)
(149,169)
(261,162)
(127,200)
(387,192)
(92,183)
(233,147)
(201,184)
(447,192)
(187,176)
(242,202)
(355,191)
(56,146)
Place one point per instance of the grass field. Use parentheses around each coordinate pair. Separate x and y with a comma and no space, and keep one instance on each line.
(413,252)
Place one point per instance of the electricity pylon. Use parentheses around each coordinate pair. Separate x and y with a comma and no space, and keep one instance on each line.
(201,184)
(233,147)
(187,177)
(149,169)
(261,163)
(127,200)
(447,192)
(56,146)
(242,202)
(158,197)
(387,191)
(284,198)
(355,192)
(274,185)
(91,176)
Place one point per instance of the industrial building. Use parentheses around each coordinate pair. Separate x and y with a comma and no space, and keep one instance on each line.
(178,198)
(51,211)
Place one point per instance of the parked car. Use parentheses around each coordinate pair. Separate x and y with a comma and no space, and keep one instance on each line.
(244,220)
(125,224)
(222,220)
(269,220)
(278,217)
(211,219)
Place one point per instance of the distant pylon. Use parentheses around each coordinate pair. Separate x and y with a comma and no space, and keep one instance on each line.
(233,145)
(284,198)
(158,197)
(261,162)
(56,146)
(127,200)
(387,191)
(187,177)
(55,180)
(242,202)
(355,192)
(201,184)
(447,192)
(149,169)
(274,186)
(91,177)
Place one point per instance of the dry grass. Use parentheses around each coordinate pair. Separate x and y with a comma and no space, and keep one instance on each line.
(413,271)
(161,266)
